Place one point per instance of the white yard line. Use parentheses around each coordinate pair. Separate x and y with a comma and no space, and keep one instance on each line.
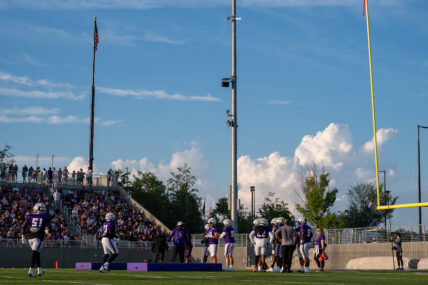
(53,281)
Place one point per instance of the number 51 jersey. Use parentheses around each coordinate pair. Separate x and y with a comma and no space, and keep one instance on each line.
(38,224)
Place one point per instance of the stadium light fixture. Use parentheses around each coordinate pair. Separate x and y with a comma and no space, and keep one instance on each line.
(225,82)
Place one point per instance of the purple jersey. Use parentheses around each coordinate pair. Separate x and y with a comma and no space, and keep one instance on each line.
(319,239)
(38,224)
(109,229)
(178,237)
(305,233)
(210,233)
(229,237)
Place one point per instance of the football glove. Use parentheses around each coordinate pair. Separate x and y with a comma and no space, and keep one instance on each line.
(23,240)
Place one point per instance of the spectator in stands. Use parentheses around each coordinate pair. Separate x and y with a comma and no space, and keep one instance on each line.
(73,177)
(30,174)
(44,176)
(24,173)
(50,176)
(65,175)
(3,171)
(89,177)
(110,178)
(36,175)
(57,198)
(59,176)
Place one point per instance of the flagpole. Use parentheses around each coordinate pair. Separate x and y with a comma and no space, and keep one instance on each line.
(91,135)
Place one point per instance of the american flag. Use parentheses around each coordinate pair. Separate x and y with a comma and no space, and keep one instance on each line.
(96,40)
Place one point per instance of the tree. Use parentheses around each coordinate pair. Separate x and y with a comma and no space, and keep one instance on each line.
(185,203)
(362,210)
(273,208)
(150,192)
(221,210)
(317,199)
(6,156)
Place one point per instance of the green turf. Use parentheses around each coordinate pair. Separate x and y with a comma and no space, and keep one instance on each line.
(71,276)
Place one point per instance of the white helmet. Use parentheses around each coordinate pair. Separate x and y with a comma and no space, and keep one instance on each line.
(256,222)
(180,223)
(280,220)
(301,220)
(39,208)
(212,221)
(207,227)
(262,221)
(227,222)
(274,221)
(110,217)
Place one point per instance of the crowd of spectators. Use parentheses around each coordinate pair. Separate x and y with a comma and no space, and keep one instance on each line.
(16,204)
(50,176)
(88,209)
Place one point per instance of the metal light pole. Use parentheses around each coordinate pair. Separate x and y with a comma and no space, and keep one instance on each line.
(233,122)
(419,176)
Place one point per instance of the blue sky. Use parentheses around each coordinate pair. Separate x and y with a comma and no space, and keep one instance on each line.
(303,89)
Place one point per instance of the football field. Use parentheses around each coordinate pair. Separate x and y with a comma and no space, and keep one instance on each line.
(71,276)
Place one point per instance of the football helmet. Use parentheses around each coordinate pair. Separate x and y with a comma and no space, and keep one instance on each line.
(256,222)
(40,208)
(207,227)
(212,221)
(280,220)
(274,221)
(227,222)
(302,220)
(180,223)
(110,217)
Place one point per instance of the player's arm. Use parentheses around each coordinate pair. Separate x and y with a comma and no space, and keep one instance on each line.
(24,227)
(223,234)
(252,235)
(270,237)
(322,244)
(170,236)
(216,235)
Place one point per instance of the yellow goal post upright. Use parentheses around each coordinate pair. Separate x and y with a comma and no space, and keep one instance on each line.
(379,206)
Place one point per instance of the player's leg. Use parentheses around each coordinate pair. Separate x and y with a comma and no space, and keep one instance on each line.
(257,251)
(114,254)
(230,254)
(206,253)
(35,245)
(181,253)
(301,258)
(107,249)
(226,256)
(306,253)
(213,252)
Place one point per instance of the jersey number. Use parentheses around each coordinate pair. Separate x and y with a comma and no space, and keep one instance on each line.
(37,222)
(105,229)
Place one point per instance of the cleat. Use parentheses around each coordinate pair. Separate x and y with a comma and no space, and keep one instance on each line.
(40,272)
(270,269)
(254,269)
(307,270)
(102,269)
(31,273)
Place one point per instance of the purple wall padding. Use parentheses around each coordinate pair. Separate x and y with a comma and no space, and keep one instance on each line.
(83,266)
(137,267)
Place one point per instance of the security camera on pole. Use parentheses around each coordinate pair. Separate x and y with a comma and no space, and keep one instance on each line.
(233,122)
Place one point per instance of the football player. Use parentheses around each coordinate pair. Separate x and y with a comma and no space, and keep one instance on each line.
(179,239)
(259,238)
(188,248)
(229,242)
(205,242)
(37,222)
(305,239)
(108,242)
(212,235)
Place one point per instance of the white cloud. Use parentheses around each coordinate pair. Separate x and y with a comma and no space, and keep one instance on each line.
(29,111)
(16,79)
(161,39)
(382,136)
(24,80)
(157,94)
(78,163)
(274,102)
(28,59)
(332,147)
(326,146)
(37,94)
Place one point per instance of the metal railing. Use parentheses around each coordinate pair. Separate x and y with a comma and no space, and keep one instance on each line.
(376,234)
(16,243)
(240,240)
